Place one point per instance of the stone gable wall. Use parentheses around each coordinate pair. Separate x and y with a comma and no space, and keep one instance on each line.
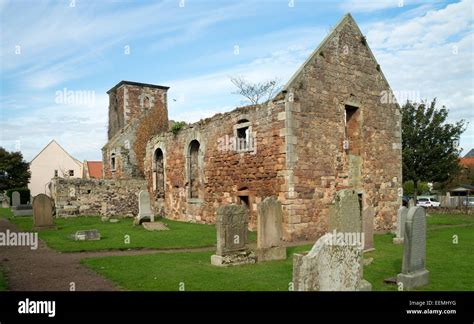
(342,73)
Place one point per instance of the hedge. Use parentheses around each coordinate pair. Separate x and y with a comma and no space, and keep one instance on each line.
(24,194)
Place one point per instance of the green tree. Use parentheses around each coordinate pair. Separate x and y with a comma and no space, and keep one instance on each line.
(409,188)
(14,171)
(430,150)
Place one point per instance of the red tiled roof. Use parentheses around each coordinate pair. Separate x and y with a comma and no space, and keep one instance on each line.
(467,162)
(95,169)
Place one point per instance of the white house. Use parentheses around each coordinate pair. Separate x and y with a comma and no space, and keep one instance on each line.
(52,161)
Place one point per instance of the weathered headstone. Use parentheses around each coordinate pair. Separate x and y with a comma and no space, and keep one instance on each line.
(401,220)
(331,265)
(144,209)
(155,226)
(23,210)
(87,235)
(15,199)
(414,273)
(232,227)
(6,202)
(411,203)
(269,235)
(42,212)
(345,214)
(368,215)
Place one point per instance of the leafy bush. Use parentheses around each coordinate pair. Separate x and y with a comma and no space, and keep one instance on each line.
(24,194)
(177,127)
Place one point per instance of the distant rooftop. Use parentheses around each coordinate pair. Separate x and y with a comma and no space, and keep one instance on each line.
(95,169)
(470,154)
(138,84)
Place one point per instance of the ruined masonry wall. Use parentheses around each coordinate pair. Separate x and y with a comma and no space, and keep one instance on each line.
(225,173)
(109,198)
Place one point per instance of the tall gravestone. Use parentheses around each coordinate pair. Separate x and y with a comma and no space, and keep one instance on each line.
(368,215)
(414,273)
(345,214)
(232,227)
(144,209)
(401,220)
(331,265)
(15,199)
(269,231)
(42,212)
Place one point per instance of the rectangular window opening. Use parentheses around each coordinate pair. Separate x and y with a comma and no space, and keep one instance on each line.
(352,130)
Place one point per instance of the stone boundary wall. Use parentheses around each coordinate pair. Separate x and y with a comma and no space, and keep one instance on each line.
(110,198)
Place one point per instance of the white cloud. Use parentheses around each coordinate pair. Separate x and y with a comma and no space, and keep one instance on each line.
(79,128)
(56,47)
(274,55)
(432,55)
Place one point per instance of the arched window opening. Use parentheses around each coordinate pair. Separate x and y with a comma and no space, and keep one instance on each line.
(194,169)
(159,173)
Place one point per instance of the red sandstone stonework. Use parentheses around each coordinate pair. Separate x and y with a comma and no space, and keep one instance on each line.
(327,130)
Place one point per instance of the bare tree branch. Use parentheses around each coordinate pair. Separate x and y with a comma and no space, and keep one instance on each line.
(254,92)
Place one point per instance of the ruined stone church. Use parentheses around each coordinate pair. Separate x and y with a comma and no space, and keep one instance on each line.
(328,129)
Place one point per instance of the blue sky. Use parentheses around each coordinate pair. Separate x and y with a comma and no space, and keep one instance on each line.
(425,49)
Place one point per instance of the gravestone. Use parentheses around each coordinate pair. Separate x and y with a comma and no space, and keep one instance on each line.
(368,215)
(331,265)
(345,214)
(87,235)
(144,209)
(15,199)
(232,227)
(411,203)
(155,226)
(23,210)
(401,220)
(414,273)
(269,227)
(42,212)
(6,202)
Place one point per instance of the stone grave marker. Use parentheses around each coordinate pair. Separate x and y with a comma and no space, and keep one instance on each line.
(401,220)
(144,209)
(42,212)
(345,215)
(23,210)
(331,265)
(87,235)
(368,215)
(15,199)
(6,202)
(232,227)
(269,235)
(155,226)
(414,273)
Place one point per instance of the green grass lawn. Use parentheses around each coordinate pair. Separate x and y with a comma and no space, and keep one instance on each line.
(180,235)
(450,265)
(167,271)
